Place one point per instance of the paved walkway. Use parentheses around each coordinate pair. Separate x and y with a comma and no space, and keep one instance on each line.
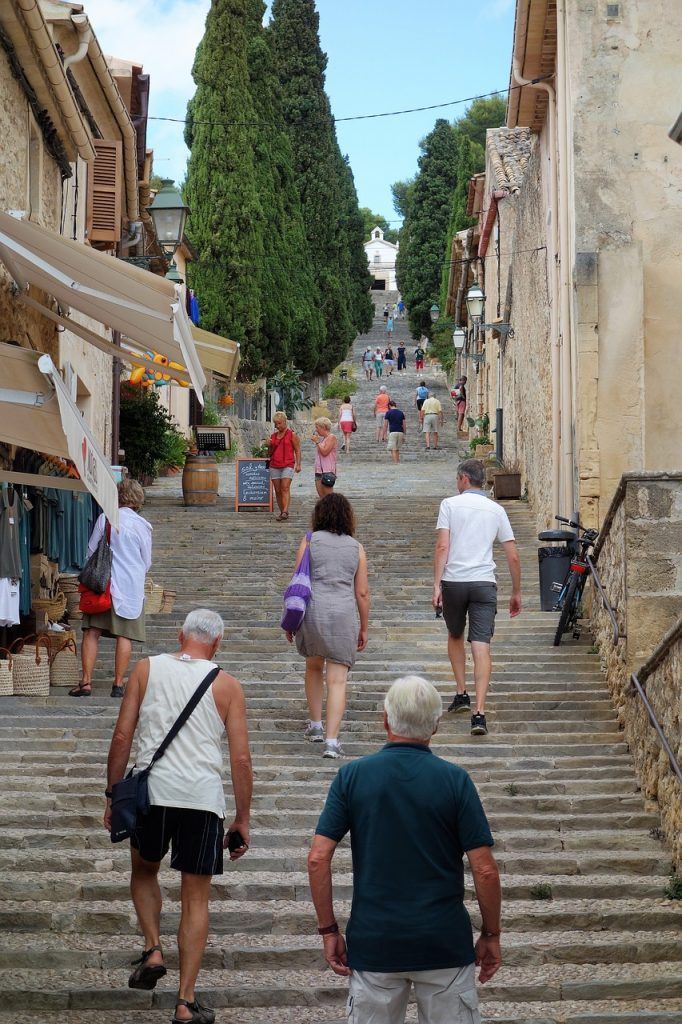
(589,937)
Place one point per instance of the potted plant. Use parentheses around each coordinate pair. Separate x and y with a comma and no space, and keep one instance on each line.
(507,481)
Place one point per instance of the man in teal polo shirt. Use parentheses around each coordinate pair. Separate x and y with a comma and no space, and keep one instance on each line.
(411,817)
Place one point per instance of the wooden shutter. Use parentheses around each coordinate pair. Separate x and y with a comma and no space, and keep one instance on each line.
(105,181)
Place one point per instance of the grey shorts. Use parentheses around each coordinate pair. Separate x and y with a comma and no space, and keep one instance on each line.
(443,997)
(478,601)
(282,474)
(396,439)
(431,423)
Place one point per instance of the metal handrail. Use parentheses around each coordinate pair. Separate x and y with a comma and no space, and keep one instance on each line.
(617,635)
(657,726)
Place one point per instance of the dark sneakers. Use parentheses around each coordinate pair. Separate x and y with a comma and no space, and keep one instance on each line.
(461,702)
(478,726)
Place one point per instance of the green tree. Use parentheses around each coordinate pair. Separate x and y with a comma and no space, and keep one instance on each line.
(402,196)
(420,259)
(291,320)
(481,115)
(329,204)
(227,221)
(375,220)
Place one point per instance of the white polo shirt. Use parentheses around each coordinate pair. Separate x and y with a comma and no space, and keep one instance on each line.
(475,522)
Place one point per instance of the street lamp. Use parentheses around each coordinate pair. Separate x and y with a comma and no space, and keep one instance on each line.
(169,214)
(475,300)
(434,313)
(459,336)
(173,275)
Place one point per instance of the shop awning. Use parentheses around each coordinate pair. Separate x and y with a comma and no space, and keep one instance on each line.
(37,412)
(217,354)
(146,309)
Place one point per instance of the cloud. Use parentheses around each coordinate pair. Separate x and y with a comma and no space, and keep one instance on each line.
(162,35)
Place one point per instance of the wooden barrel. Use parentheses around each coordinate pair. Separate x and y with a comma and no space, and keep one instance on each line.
(200,480)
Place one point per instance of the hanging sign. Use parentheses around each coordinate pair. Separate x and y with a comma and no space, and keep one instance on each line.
(253,489)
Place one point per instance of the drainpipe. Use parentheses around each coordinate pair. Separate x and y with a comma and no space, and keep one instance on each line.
(568,340)
(82,26)
(56,76)
(554,278)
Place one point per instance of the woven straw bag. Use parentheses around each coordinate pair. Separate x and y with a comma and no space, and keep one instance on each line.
(52,607)
(30,671)
(64,664)
(6,684)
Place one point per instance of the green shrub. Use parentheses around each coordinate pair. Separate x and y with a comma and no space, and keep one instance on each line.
(337,388)
(144,426)
(174,449)
(673,890)
(260,451)
(475,441)
(541,891)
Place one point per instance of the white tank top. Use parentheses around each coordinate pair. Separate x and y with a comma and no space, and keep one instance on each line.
(190,772)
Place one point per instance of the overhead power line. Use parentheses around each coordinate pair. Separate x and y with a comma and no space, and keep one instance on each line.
(342,120)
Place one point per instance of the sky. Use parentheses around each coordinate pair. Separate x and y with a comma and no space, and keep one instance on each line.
(406,53)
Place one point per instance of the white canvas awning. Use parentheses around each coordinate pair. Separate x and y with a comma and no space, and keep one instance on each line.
(217,354)
(37,412)
(146,309)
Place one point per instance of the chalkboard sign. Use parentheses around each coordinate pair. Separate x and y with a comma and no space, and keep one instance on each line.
(253,489)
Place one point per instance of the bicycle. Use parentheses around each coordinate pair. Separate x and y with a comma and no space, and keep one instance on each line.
(571,590)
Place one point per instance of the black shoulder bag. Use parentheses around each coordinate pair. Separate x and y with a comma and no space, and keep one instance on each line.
(130,796)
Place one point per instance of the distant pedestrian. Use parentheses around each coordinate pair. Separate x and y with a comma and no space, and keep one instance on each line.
(131,550)
(402,356)
(461,401)
(325,454)
(368,363)
(186,795)
(379,363)
(285,462)
(347,422)
(464,583)
(432,414)
(389,327)
(397,430)
(381,403)
(401,309)
(419,358)
(420,396)
(389,360)
(387,311)
(411,817)
(335,625)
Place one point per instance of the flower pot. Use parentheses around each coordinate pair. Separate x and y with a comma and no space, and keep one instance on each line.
(481,450)
(507,485)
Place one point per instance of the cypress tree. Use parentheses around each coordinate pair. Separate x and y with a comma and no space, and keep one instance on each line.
(291,322)
(226,225)
(325,188)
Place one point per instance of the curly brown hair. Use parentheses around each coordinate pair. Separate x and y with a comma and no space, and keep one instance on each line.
(334,514)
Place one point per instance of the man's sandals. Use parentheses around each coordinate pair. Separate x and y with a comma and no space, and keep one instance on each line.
(146,975)
(200,1014)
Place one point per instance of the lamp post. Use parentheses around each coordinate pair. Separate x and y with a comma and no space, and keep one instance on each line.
(169,214)
(434,313)
(173,275)
(475,300)
(459,337)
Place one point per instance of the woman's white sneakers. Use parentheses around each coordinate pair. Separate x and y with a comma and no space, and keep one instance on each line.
(332,749)
(314,733)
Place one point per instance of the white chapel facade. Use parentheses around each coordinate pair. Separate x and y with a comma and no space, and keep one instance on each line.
(381,257)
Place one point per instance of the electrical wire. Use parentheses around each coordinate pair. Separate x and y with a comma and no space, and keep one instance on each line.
(344,120)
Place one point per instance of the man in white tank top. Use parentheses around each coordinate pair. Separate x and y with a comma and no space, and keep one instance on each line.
(186,794)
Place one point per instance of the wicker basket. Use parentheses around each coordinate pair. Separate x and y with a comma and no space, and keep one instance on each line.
(6,684)
(168,601)
(64,664)
(153,597)
(52,607)
(30,671)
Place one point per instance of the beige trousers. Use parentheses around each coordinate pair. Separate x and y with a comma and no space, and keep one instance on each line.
(443,997)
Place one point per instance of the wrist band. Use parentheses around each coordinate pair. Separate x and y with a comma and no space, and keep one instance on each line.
(490,935)
(107,793)
(330,929)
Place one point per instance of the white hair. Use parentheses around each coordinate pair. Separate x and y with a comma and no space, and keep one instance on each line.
(382,388)
(203,625)
(413,707)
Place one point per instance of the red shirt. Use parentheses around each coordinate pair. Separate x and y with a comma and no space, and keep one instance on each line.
(282,454)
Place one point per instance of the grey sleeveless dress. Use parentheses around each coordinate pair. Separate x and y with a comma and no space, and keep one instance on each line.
(331,625)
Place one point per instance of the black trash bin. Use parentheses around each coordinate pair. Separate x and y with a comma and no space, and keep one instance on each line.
(554,563)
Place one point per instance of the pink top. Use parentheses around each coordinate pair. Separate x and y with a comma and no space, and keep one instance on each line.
(326,463)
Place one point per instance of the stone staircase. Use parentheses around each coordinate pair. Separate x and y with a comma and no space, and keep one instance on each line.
(589,937)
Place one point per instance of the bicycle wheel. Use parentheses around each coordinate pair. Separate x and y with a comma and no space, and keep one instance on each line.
(570,609)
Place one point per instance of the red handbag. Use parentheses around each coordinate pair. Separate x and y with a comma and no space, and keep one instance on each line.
(92,603)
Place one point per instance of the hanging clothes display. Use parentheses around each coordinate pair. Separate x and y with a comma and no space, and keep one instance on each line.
(10,556)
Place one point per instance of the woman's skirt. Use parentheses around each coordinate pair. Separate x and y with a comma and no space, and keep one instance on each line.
(112,625)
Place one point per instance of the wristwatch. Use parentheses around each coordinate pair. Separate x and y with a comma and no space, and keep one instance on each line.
(330,929)
(108,794)
(490,935)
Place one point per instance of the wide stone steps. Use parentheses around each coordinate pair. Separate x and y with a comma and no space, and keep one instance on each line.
(589,936)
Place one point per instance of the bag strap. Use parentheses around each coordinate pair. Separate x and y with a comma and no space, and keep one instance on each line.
(185,714)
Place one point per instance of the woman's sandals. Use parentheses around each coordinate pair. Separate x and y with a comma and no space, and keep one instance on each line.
(146,975)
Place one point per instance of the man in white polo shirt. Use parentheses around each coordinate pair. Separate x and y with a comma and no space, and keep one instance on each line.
(464,583)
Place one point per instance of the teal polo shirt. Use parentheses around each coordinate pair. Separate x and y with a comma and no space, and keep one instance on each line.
(411,817)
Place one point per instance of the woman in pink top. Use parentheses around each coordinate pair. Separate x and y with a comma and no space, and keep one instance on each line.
(325,456)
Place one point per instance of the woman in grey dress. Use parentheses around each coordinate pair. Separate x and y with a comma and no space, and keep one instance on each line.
(335,624)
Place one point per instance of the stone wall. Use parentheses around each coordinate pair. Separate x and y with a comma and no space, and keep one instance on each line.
(639,560)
